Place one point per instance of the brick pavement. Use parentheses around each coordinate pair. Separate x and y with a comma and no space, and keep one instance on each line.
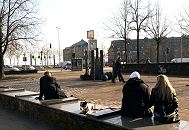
(105,93)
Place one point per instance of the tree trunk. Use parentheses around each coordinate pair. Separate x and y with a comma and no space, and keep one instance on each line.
(157,51)
(125,38)
(2,75)
(1,51)
(138,58)
(10,61)
(126,51)
(17,61)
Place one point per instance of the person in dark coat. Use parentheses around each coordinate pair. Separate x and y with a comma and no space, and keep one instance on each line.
(136,98)
(117,71)
(163,98)
(48,87)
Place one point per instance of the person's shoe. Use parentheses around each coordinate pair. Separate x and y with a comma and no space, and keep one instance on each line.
(113,81)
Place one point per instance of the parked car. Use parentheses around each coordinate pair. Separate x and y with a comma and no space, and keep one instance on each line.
(10,68)
(180,60)
(64,63)
(39,67)
(68,66)
(28,67)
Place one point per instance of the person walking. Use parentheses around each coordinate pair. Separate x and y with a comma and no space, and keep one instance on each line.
(163,98)
(117,71)
(136,97)
(49,88)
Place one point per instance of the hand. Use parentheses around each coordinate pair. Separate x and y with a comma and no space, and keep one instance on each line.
(38,98)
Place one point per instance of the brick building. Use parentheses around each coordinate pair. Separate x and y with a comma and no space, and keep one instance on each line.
(170,48)
(77,48)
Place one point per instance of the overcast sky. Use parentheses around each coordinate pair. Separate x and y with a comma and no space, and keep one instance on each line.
(76,17)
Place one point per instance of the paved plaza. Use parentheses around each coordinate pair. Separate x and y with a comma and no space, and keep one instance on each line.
(105,93)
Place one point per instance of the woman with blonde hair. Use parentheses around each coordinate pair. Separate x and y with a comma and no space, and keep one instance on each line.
(163,98)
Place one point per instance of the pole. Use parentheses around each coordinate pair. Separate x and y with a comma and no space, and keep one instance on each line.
(47,57)
(181,46)
(181,41)
(42,58)
(54,60)
(58,28)
(25,61)
(30,58)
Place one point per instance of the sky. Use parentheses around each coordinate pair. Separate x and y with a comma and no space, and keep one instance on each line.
(76,17)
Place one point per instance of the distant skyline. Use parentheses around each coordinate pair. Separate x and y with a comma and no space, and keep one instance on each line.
(76,17)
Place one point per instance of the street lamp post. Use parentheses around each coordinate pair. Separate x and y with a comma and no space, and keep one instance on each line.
(58,28)
(24,59)
(181,46)
(41,57)
(181,39)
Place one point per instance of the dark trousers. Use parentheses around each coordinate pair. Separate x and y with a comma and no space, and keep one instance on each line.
(115,74)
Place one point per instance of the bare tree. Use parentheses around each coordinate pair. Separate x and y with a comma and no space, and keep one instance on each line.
(10,53)
(158,28)
(119,25)
(184,22)
(14,50)
(18,22)
(140,15)
(18,52)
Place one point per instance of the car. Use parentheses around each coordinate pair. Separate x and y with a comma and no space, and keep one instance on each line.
(28,67)
(10,68)
(180,60)
(39,67)
(64,63)
(68,66)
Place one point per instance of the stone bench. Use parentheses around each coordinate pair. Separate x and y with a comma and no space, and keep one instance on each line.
(65,114)
(58,101)
(6,89)
(145,123)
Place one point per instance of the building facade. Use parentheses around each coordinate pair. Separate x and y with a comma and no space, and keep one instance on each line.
(78,50)
(170,48)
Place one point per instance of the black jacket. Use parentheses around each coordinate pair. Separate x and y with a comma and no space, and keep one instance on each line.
(117,67)
(163,108)
(48,88)
(136,98)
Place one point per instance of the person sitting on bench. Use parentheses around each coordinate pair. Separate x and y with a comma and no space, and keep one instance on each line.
(136,98)
(163,98)
(49,88)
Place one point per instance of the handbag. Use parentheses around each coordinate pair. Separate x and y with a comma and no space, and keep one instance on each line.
(170,118)
(169,113)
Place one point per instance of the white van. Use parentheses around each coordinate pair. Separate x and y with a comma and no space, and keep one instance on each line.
(179,60)
(10,68)
(62,64)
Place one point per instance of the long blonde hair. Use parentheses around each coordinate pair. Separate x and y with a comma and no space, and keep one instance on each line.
(164,89)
